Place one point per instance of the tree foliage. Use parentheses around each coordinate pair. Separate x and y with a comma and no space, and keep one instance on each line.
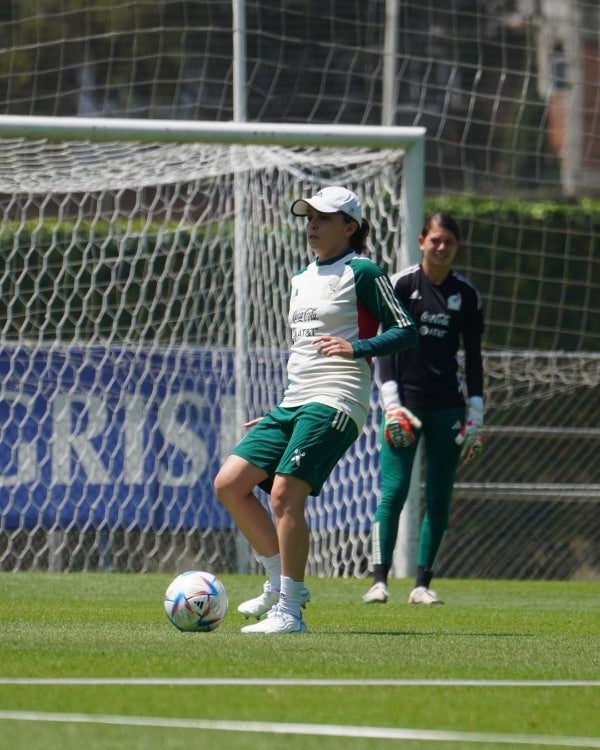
(125,57)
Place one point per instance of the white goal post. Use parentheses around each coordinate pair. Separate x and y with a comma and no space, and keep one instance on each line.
(143,303)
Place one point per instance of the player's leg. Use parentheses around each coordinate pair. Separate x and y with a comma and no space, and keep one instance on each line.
(252,462)
(234,485)
(441,461)
(288,500)
(395,472)
(321,436)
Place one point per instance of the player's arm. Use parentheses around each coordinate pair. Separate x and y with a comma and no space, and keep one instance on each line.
(397,332)
(394,329)
(471,436)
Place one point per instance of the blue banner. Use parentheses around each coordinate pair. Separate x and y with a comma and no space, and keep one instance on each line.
(119,438)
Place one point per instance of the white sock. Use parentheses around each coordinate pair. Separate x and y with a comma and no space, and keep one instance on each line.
(290,600)
(272,566)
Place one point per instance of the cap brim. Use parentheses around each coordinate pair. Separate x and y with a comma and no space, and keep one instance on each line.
(300,207)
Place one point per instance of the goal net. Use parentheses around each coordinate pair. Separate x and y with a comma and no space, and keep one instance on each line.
(530,508)
(143,309)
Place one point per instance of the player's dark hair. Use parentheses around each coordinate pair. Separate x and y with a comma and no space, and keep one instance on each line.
(444,220)
(358,241)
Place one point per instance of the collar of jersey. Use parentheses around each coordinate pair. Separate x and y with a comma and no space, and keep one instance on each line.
(349,251)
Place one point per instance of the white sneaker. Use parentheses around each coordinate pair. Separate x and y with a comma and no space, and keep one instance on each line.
(269,598)
(423,595)
(377,594)
(277,621)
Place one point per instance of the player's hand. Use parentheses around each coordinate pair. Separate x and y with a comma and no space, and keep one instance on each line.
(472,442)
(398,427)
(470,436)
(252,422)
(333,346)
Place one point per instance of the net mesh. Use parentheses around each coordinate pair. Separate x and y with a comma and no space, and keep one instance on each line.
(531,510)
(116,245)
(123,291)
(120,315)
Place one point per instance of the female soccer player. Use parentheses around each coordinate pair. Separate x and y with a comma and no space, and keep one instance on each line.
(343,311)
(423,395)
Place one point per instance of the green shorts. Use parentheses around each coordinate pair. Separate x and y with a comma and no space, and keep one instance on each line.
(305,442)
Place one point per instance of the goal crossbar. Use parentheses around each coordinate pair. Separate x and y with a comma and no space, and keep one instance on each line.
(189,131)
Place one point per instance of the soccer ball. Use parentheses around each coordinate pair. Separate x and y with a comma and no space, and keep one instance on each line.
(196,601)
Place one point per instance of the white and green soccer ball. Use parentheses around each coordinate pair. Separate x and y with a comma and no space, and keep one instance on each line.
(196,601)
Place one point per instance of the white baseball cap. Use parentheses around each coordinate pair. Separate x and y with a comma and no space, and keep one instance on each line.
(330,200)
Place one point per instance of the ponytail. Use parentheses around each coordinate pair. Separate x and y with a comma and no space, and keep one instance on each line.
(358,241)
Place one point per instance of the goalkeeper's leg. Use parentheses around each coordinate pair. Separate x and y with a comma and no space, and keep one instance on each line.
(396,468)
(441,459)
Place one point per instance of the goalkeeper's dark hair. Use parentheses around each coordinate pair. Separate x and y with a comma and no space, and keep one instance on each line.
(444,220)
(358,241)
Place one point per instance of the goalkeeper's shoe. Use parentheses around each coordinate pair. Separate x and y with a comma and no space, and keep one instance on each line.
(260,605)
(277,621)
(377,594)
(423,595)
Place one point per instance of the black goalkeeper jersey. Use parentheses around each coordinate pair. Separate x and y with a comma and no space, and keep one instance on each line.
(449,318)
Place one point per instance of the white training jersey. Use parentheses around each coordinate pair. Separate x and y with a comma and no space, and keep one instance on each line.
(350,297)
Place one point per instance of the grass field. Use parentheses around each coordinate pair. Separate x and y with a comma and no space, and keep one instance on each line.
(90,661)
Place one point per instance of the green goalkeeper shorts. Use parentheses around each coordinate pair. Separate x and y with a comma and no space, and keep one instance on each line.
(305,442)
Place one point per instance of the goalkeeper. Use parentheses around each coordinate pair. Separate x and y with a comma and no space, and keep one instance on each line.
(422,394)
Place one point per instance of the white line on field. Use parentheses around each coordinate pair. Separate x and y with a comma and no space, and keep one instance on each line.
(324,730)
(284,681)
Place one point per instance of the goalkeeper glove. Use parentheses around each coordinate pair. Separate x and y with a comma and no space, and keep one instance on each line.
(398,421)
(398,426)
(470,437)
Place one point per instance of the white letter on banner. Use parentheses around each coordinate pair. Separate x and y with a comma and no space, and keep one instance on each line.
(134,441)
(229,433)
(26,469)
(182,437)
(65,439)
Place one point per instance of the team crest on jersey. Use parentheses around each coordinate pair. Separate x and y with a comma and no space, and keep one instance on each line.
(331,288)
(454,302)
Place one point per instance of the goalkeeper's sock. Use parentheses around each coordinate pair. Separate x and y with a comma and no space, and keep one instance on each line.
(272,567)
(424,576)
(380,573)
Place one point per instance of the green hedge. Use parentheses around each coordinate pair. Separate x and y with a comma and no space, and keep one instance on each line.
(537,266)
(78,281)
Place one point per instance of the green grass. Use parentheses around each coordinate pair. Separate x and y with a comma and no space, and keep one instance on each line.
(113,626)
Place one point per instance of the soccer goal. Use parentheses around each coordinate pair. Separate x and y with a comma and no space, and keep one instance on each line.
(143,305)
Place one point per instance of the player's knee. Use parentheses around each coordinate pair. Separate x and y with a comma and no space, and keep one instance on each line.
(220,486)
(226,484)
(288,494)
